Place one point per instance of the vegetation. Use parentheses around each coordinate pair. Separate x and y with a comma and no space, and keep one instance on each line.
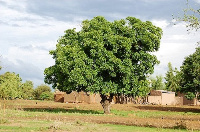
(10,86)
(43,92)
(106,58)
(27,90)
(26,115)
(172,78)
(157,83)
(190,77)
(191,16)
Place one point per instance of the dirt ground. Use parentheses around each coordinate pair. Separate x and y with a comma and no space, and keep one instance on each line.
(186,117)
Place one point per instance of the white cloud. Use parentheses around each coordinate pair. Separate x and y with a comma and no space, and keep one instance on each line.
(161,23)
(176,44)
(26,39)
(198,1)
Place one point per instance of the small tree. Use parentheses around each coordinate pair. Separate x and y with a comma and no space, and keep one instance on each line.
(40,90)
(47,96)
(10,86)
(27,90)
(105,57)
(157,83)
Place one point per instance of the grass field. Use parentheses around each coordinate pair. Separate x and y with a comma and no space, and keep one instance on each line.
(45,116)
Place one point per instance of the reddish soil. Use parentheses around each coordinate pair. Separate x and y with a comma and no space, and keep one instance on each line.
(187,121)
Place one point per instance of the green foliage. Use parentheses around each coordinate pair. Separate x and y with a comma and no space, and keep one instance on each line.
(157,83)
(10,84)
(190,80)
(191,16)
(46,96)
(27,90)
(190,95)
(43,92)
(105,57)
(172,78)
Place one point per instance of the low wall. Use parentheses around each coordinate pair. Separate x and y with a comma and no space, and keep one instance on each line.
(178,101)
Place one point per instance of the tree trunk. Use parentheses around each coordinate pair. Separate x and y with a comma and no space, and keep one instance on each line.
(106,102)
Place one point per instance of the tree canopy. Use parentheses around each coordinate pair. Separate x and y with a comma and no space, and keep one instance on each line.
(172,78)
(157,83)
(190,78)
(27,90)
(10,86)
(43,92)
(105,57)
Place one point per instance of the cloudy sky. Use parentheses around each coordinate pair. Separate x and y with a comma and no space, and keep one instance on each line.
(29,29)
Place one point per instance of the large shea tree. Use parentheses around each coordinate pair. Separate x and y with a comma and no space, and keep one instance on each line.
(105,57)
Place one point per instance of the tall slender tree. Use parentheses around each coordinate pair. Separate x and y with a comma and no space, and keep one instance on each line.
(172,79)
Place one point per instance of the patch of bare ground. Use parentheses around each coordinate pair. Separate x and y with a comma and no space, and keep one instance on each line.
(180,121)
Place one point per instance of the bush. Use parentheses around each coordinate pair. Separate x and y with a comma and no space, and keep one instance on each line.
(46,96)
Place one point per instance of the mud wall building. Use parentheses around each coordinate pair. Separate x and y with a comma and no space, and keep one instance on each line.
(76,97)
(162,97)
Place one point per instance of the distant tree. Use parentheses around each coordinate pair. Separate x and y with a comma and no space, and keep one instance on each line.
(47,96)
(27,90)
(40,90)
(157,83)
(105,57)
(10,84)
(172,78)
(190,78)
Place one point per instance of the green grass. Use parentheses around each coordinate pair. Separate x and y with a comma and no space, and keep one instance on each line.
(60,110)
(122,128)
(149,114)
(80,126)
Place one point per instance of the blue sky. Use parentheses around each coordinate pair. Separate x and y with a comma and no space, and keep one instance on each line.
(30,29)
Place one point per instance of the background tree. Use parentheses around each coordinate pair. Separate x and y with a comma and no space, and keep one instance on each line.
(27,90)
(190,78)
(172,78)
(10,86)
(47,96)
(105,57)
(157,83)
(43,91)
(191,16)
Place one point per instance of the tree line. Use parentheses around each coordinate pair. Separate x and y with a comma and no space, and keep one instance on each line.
(12,87)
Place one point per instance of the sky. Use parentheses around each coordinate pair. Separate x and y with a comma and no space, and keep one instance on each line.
(29,29)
